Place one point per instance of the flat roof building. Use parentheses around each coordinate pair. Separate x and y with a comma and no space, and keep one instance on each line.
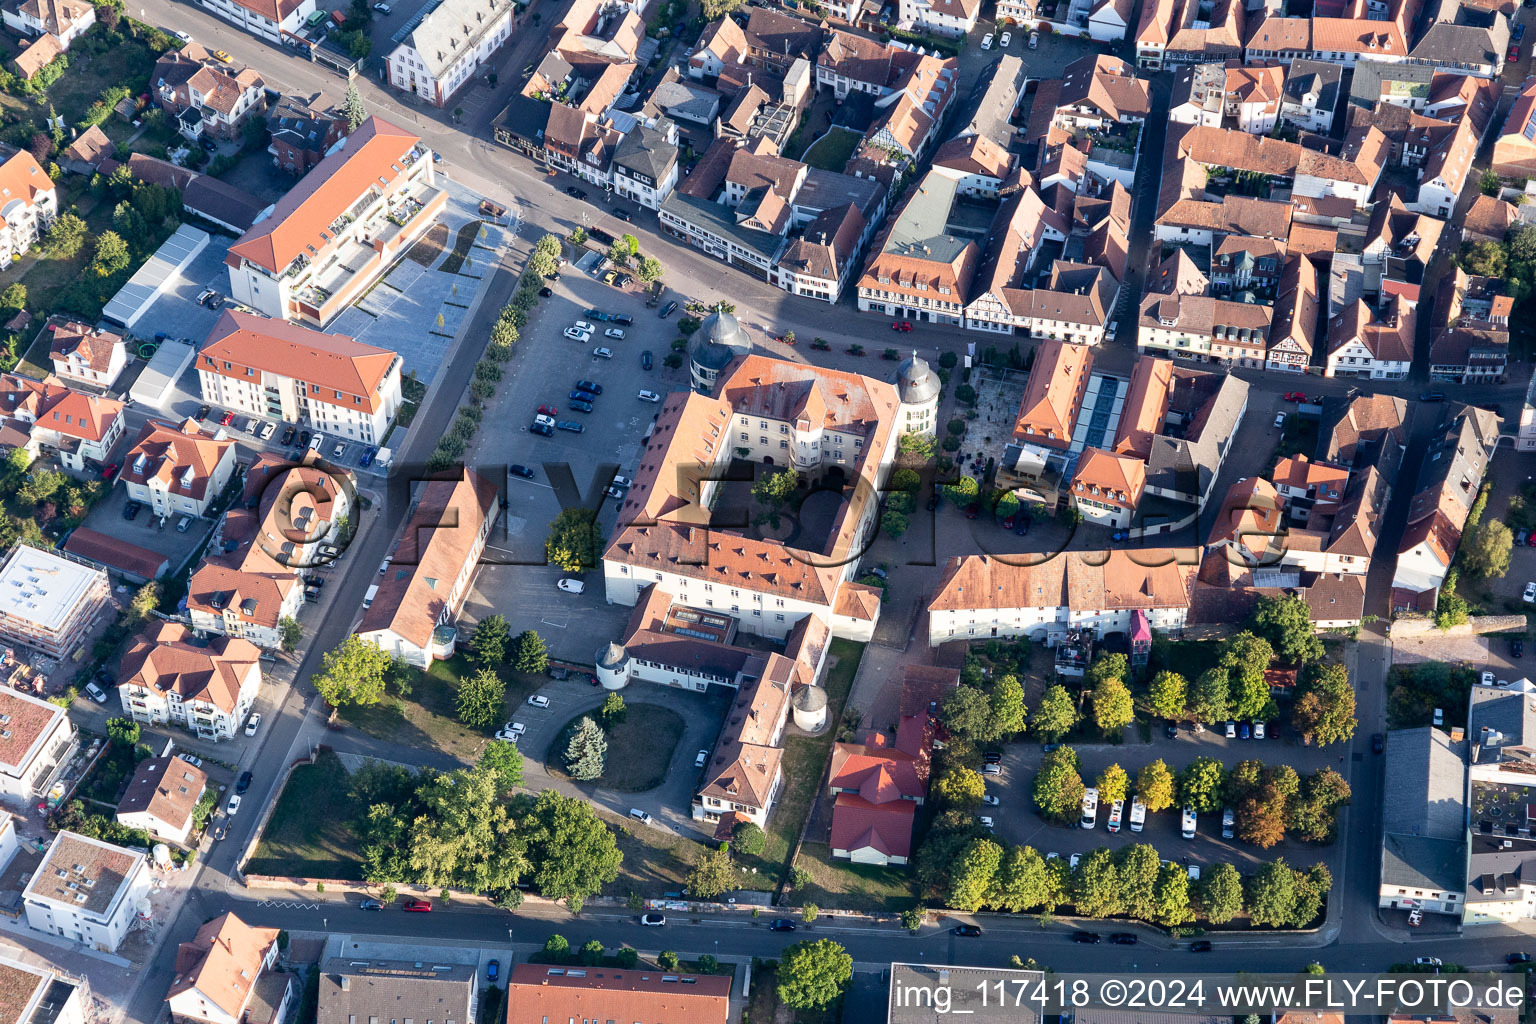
(47,602)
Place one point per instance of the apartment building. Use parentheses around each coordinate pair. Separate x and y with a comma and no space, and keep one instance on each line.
(434,564)
(86,891)
(178,468)
(247,585)
(272,20)
(537,994)
(332,235)
(28,205)
(35,737)
(57,419)
(449,44)
(48,602)
(358,989)
(227,975)
(207,688)
(286,372)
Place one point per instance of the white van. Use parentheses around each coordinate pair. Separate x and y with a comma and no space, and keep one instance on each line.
(373,591)
(639,815)
(1138,814)
(1189,823)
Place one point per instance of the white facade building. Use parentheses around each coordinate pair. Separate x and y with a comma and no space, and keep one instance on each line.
(452,42)
(87,891)
(271,20)
(34,738)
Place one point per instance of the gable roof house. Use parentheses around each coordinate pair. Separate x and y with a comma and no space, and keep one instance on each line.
(1514,152)
(300,133)
(434,564)
(1189,32)
(1363,344)
(161,797)
(52,25)
(1053,396)
(1311,95)
(878,786)
(80,352)
(538,995)
(225,976)
(178,468)
(206,96)
(1447,161)
(57,418)
(1471,336)
(1424,824)
(923,263)
(28,205)
(447,45)
(353,989)
(272,20)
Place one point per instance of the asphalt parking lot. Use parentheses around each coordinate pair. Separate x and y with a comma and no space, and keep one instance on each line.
(1018,822)
(514,580)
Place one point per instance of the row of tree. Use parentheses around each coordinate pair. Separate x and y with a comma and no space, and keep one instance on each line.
(970,872)
(459,831)
(1267,800)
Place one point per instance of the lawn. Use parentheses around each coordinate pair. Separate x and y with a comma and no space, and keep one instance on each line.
(833,150)
(110,774)
(849,886)
(656,861)
(310,831)
(639,748)
(426,251)
(427,716)
(805,762)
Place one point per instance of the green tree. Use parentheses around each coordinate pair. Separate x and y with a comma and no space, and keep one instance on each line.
(1056,715)
(480,698)
(1325,711)
(18,460)
(1170,896)
(1096,885)
(353,673)
(1113,708)
(575,543)
(1271,894)
(1261,818)
(808,912)
(719,8)
(353,111)
(1166,696)
(1112,784)
(587,751)
(1138,874)
(1108,665)
(574,854)
(894,523)
(67,235)
(649,269)
(1008,713)
(289,633)
(1220,893)
(530,655)
(618,253)
(963,491)
(959,786)
(748,838)
(1489,183)
(774,490)
(557,948)
(503,760)
(488,646)
(592,952)
(14,296)
(544,259)
(1200,784)
(123,732)
(1209,701)
(1285,623)
(813,974)
(972,876)
(465,838)
(1312,888)
(967,714)
(1058,789)
(1154,785)
(1311,814)
(613,710)
(667,960)
(1485,552)
(1020,882)
(112,254)
(918,446)
(715,873)
(905,479)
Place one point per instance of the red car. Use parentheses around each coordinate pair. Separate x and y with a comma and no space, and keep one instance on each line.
(1514,52)
(1008,523)
(1295,396)
(901,325)
(109,472)
(227,419)
(419,906)
(548,410)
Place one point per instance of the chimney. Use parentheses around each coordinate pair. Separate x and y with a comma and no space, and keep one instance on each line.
(346,983)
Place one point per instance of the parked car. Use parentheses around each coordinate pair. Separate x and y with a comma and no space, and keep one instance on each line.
(222,57)
(492,970)
(780,924)
(574,192)
(668,309)
(538,700)
(383,8)
(577,335)
(645,359)
(542,429)
(701,758)
(287,438)
(614,332)
(1005,39)
(96,693)
(418,906)
(1517,958)
(227,419)
(243,783)
(1122,939)
(581,405)
(369,904)
(640,816)
(967,930)
(191,759)
(1228,822)
(653,920)
(1530,592)
(254,724)
(570,425)
(1279,419)
(1378,743)
(986,41)
(649,396)
(587,385)
(1200,946)
(233,806)
(1427,961)
(1087,938)
(604,353)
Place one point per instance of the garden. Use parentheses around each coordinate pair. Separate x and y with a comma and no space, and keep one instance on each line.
(639,741)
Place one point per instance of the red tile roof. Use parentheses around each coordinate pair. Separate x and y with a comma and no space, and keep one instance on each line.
(538,994)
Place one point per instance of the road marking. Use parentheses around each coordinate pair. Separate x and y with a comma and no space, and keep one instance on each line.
(288,905)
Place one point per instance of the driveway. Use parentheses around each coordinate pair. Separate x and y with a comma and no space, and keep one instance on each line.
(671,802)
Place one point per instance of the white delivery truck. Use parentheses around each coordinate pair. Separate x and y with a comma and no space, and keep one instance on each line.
(373,591)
